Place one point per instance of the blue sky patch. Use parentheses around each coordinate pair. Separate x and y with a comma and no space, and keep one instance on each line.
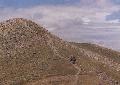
(113,16)
(115,1)
(27,3)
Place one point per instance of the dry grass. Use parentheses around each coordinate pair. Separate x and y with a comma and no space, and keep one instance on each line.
(26,58)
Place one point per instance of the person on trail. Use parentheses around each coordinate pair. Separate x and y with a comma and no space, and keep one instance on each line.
(72,59)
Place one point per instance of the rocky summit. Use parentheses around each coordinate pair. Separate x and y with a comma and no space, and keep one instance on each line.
(30,55)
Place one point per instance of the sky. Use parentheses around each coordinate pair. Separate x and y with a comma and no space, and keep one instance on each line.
(96,21)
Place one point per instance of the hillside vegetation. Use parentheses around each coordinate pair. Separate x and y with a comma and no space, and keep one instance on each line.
(30,55)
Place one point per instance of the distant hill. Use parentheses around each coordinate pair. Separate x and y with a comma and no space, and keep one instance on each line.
(30,55)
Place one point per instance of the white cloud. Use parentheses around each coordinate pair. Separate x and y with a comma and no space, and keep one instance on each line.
(51,16)
(114,21)
(86,20)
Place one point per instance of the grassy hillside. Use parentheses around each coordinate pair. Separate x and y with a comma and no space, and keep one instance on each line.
(105,60)
(30,55)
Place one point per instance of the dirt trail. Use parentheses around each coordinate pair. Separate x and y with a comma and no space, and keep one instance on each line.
(57,53)
(71,78)
(77,75)
(59,79)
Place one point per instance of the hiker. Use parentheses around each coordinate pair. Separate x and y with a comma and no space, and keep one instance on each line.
(72,59)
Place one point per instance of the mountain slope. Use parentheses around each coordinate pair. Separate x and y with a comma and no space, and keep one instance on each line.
(30,55)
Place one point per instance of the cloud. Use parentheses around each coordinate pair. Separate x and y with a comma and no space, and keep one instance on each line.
(44,14)
(51,15)
(95,3)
